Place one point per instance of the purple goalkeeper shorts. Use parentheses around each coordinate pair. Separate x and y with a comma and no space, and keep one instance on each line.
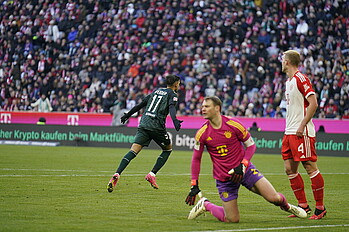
(228,190)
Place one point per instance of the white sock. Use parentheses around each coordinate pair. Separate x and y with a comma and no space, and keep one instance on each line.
(152,173)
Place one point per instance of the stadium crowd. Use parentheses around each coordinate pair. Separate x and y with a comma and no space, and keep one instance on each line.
(86,56)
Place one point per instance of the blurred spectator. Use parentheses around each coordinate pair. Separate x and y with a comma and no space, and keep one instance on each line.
(302,27)
(254,127)
(43,104)
(41,121)
(117,110)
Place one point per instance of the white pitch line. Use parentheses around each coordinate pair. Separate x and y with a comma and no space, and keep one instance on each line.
(79,175)
(48,175)
(138,174)
(48,170)
(274,228)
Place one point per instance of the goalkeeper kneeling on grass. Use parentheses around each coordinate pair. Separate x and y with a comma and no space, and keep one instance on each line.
(231,148)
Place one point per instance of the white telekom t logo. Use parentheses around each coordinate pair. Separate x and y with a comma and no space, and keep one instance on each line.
(5,118)
(73,120)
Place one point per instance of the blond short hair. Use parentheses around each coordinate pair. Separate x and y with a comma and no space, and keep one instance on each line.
(293,57)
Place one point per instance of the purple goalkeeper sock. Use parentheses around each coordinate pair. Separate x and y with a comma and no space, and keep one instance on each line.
(216,211)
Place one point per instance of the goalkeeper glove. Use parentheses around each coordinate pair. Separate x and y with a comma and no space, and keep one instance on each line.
(190,200)
(238,173)
(177,124)
(124,118)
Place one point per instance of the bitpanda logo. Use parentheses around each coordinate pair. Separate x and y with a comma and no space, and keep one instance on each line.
(185,141)
(182,140)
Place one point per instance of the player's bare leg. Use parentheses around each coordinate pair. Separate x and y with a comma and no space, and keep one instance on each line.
(264,188)
(231,211)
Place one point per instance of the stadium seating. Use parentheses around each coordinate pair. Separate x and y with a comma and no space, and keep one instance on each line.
(84,55)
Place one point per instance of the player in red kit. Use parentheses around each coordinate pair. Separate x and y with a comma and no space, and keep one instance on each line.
(231,148)
(298,144)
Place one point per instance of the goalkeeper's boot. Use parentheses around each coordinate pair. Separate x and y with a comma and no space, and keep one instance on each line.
(297,211)
(112,182)
(198,209)
(318,214)
(152,180)
(306,209)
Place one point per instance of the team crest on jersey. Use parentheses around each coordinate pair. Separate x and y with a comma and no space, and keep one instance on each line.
(227,134)
(225,194)
(209,138)
(306,87)
(175,99)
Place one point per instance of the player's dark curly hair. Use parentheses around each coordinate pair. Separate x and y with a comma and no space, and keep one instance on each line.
(171,79)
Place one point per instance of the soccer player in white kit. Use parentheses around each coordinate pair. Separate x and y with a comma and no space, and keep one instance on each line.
(298,144)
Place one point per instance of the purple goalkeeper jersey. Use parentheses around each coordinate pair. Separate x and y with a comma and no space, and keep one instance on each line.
(225,146)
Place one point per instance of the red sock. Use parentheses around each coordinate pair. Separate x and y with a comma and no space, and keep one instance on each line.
(297,186)
(216,211)
(317,185)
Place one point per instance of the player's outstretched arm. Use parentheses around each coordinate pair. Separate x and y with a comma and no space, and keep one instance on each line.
(250,148)
(176,122)
(195,171)
(135,109)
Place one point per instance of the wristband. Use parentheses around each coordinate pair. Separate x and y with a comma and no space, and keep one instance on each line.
(245,162)
(194,182)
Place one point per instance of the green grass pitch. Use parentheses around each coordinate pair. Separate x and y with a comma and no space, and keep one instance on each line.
(64,189)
